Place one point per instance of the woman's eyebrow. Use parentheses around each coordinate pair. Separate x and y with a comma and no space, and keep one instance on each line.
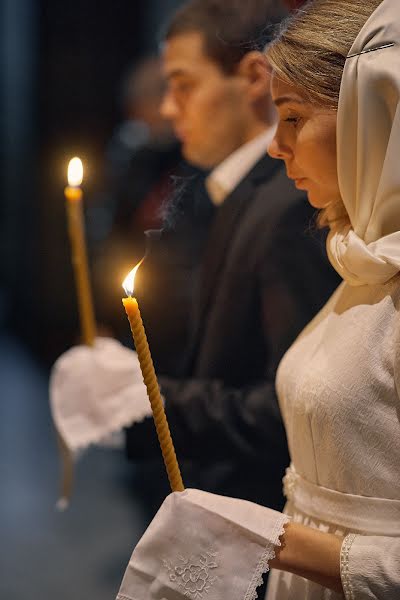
(285,99)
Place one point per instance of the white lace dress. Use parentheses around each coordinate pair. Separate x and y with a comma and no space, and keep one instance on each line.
(338,387)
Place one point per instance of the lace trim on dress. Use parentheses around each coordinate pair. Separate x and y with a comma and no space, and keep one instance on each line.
(289,481)
(267,556)
(344,566)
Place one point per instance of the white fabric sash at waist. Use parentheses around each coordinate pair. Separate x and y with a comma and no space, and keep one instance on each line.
(365,514)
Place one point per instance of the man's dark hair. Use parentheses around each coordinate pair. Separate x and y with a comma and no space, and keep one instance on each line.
(230,28)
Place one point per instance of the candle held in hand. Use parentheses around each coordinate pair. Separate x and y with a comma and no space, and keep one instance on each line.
(73,195)
(149,377)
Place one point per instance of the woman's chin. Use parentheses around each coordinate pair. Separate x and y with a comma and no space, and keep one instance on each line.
(315,200)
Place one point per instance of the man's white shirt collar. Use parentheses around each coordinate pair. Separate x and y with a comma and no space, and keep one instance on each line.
(224,178)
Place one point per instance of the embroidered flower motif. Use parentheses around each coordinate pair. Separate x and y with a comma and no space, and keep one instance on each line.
(193,574)
(289,482)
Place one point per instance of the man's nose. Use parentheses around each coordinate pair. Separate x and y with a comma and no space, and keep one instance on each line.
(169,108)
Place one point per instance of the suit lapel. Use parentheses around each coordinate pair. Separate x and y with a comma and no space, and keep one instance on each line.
(225,226)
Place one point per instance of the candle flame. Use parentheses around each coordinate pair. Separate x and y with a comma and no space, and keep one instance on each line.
(129,281)
(75,172)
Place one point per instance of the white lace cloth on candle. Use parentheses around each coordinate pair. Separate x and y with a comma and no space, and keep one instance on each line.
(95,392)
(203,547)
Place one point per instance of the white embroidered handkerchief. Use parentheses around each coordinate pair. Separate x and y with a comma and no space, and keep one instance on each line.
(203,547)
(96,391)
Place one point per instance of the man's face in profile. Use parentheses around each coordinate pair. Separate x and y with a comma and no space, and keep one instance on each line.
(205,105)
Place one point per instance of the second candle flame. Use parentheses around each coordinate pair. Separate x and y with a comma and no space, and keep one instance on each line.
(129,281)
(75,172)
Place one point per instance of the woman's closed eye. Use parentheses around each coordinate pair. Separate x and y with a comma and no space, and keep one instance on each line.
(292,120)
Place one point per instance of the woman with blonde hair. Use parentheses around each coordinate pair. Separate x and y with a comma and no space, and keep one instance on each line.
(336,86)
(339,135)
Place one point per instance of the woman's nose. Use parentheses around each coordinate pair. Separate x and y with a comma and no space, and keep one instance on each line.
(277,149)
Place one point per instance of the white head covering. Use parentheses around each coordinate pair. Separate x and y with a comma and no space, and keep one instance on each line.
(368,252)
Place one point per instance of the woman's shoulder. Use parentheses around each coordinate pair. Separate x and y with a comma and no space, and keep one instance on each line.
(393,288)
(355,305)
(385,297)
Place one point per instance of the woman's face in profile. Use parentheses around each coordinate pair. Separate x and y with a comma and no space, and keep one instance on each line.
(306,140)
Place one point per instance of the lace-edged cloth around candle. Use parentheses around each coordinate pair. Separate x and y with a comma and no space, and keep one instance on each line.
(95,392)
(203,547)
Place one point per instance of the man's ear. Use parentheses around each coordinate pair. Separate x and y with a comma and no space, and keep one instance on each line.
(255,69)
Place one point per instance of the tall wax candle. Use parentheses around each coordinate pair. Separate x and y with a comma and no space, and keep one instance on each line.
(73,195)
(153,391)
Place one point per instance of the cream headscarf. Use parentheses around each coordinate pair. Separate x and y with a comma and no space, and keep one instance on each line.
(368,252)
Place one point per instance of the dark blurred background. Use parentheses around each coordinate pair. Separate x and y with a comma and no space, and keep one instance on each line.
(61,69)
(61,73)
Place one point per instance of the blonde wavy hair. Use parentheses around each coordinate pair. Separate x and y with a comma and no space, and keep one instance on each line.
(310,50)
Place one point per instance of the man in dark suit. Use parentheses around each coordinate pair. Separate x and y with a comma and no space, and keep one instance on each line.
(238,272)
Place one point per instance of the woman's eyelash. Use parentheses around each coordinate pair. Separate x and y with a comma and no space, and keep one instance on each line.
(291,119)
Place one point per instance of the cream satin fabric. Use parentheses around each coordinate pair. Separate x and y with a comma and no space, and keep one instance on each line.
(368,252)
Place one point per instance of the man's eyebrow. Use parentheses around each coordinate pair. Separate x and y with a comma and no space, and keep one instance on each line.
(175,73)
(285,99)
